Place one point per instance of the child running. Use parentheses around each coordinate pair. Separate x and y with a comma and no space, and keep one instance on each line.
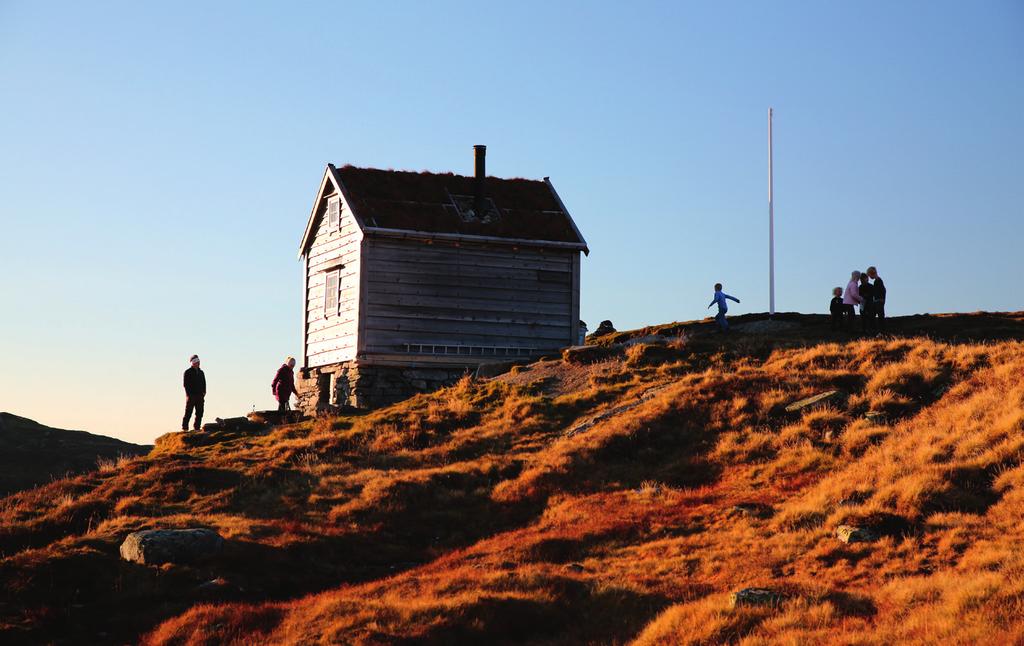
(720,298)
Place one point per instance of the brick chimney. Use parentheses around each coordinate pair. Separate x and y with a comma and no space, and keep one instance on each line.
(480,175)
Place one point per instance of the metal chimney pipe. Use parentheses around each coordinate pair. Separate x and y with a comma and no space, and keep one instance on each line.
(480,174)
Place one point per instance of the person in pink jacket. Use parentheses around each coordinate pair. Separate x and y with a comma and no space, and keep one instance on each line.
(851,298)
(283,385)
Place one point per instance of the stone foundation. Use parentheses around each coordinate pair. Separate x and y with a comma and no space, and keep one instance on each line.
(350,385)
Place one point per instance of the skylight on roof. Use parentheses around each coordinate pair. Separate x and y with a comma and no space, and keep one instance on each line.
(463,206)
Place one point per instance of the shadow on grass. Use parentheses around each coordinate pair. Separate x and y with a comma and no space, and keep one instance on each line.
(578,613)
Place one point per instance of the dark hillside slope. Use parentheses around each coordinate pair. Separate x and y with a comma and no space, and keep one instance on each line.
(32,454)
(615,495)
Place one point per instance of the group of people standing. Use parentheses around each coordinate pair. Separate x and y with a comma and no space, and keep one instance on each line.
(283,388)
(866,292)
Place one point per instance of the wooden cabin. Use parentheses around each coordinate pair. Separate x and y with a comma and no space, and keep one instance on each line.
(412,278)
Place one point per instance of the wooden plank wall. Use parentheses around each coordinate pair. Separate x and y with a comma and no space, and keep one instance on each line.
(332,337)
(466,294)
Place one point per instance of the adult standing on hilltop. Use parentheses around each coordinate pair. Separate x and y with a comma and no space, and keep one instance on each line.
(851,298)
(195,393)
(283,385)
(867,303)
(878,287)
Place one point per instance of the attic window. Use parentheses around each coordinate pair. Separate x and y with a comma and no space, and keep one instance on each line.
(333,213)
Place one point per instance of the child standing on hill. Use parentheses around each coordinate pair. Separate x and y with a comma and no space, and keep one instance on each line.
(720,298)
(835,308)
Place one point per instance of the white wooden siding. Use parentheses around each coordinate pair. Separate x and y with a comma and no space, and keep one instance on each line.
(332,337)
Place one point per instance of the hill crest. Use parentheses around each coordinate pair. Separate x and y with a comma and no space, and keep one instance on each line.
(618,494)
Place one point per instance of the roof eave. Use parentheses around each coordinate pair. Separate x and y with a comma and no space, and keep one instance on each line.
(330,174)
(572,223)
(467,237)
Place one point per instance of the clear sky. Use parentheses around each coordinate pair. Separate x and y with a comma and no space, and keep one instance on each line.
(158,162)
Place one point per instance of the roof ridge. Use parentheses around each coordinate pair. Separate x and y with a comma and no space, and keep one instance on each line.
(446,173)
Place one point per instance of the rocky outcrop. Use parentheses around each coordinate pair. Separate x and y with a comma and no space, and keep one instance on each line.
(603,329)
(827,397)
(851,534)
(752,510)
(584,354)
(275,417)
(755,597)
(593,420)
(232,424)
(178,546)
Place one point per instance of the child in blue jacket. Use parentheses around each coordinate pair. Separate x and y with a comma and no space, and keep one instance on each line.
(720,298)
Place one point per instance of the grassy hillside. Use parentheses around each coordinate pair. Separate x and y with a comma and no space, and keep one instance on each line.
(615,496)
(32,454)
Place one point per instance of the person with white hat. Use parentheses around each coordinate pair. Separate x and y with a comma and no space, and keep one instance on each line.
(195,393)
(283,385)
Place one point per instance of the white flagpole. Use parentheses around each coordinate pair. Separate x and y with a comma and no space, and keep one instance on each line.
(771,223)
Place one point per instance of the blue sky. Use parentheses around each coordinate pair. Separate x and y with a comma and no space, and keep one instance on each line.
(159,161)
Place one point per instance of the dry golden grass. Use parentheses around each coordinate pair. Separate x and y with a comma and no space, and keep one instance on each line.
(611,501)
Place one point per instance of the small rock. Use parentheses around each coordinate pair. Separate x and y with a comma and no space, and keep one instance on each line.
(809,402)
(581,354)
(235,424)
(261,418)
(851,534)
(219,582)
(217,589)
(575,567)
(754,597)
(753,510)
(160,546)
(875,416)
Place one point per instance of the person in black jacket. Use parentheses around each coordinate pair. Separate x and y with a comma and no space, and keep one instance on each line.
(835,308)
(867,305)
(195,393)
(878,291)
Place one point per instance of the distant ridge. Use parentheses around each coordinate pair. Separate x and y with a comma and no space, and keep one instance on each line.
(32,454)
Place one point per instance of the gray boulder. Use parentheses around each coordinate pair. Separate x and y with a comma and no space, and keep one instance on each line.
(828,397)
(178,546)
(755,597)
(851,534)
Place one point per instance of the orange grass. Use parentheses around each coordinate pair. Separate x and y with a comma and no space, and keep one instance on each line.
(568,502)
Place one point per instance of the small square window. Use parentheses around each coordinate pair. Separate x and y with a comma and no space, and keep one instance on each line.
(333,213)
